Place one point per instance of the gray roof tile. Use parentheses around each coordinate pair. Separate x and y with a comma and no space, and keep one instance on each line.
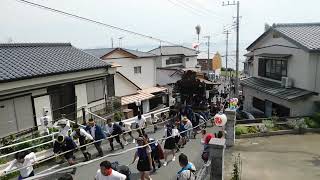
(304,35)
(275,89)
(103,51)
(28,60)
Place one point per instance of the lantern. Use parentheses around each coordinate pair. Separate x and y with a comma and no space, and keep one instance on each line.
(220,119)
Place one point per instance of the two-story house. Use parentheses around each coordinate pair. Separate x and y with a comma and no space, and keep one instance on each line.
(56,78)
(283,66)
(172,62)
(135,79)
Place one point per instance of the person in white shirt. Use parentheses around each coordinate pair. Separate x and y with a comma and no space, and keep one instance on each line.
(154,120)
(63,125)
(170,134)
(107,173)
(83,136)
(126,129)
(140,123)
(23,159)
(113,130)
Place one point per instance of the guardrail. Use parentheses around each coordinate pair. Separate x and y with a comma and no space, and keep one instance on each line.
(147,115)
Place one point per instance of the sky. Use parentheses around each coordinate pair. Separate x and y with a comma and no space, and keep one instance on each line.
(169,20)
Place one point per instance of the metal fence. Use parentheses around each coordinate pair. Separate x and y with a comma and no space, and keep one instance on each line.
(204,171)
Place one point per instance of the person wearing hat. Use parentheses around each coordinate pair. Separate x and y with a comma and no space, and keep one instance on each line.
(97,133)
(145,161)
(83,136)
(65,144)
(63,125)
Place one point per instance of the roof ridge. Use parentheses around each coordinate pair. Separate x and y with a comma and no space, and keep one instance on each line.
(296,24)
(33,44)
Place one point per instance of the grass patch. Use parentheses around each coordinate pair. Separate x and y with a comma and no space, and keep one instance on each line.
(241,130)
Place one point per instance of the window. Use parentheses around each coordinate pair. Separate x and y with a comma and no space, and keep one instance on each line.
(174,60)
(272,68)
(137,70)
(258,104)
(95,90)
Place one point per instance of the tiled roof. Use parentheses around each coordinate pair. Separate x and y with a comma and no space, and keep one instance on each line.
(29,60)
(174,50)
(274,88)
(304,35)
(99,52)
(103,51)
(308,35)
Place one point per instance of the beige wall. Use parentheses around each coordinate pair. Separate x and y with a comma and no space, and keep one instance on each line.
(123,87)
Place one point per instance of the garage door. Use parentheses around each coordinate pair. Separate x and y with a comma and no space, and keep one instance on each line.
(15,115)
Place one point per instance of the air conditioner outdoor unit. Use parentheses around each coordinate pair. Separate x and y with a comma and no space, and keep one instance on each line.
(286,82)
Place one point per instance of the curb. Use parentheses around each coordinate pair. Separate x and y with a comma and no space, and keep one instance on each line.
(280,132)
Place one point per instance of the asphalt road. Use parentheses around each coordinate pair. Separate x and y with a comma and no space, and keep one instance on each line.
(193,149)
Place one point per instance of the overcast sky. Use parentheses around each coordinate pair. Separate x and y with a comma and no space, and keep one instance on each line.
(171,20)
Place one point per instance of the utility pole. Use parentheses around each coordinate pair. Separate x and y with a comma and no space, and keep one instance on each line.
(227,32)
(237,44)
(208,37)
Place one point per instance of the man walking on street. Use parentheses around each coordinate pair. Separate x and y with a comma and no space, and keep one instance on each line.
(113,131)
(97,133)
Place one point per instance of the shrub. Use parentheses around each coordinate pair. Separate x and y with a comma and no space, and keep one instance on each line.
(253,129)
(311,123)
(118,116)
(241,130)
(316,117)
(269,124)
(297,123)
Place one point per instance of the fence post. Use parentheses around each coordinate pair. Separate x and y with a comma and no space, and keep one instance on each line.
(217,147)
(230,127)
(83,115)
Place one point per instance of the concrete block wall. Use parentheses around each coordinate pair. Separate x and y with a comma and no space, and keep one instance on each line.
(217,147)
(230,127)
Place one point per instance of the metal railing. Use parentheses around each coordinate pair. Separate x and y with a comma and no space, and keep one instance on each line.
(204,171)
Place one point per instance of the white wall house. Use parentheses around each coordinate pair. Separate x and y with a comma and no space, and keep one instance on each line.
(53,77)
(136,74)
(173,61)
(283,66)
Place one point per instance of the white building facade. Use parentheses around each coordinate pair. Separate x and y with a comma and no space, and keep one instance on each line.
(283,66)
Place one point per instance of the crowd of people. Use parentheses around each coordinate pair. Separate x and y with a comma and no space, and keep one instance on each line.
(178,130)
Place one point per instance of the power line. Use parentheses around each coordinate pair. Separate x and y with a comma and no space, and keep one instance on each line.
(186,8)
(202,8)
(93,21)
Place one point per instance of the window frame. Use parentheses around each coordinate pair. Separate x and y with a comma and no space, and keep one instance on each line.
(273,68)
(174,60)
(137,69)
(256,105)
